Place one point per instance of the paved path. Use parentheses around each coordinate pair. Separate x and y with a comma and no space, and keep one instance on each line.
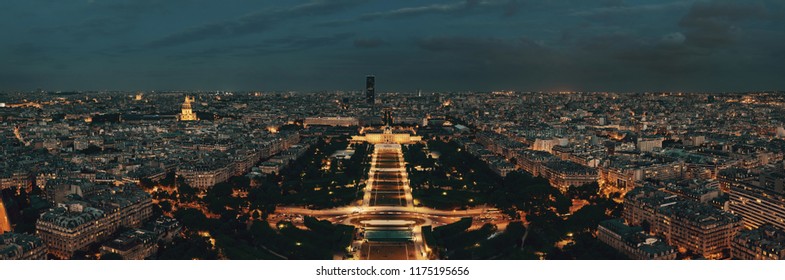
(5,225)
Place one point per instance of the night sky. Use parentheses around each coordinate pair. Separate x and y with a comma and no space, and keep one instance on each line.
(552,45)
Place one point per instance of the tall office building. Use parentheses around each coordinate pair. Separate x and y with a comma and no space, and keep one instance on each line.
(370,93)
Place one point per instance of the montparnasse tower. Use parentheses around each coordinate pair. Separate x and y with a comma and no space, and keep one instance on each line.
(187,114)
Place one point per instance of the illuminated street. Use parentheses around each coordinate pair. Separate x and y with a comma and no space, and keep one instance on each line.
(5,225)
(388,211)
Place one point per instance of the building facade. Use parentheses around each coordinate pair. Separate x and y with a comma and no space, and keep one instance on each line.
(683,223)
(633,242)
(758,202)
(331,121)
(135,244)
(370,89)
(766,242)
(20,246)
(74,225)
(186,112)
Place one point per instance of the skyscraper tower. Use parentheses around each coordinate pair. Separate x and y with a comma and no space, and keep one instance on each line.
(370,93)
(187,114)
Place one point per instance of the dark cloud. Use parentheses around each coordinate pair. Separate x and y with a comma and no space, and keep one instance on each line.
(464,7)
(287,44)
(704,38)
(296,43)
(421,10)
(715,23)
(255,23)
(493,52)
(436,45)
(621,9)
(368,43)
(666,55)
(110,18)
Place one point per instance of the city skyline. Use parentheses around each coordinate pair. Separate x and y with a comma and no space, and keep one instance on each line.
(365,130)
(449,45)
(392,176)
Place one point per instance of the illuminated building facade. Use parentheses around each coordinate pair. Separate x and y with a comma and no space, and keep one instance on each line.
(187,113)
(764,243)
(387,136)
(135,244)
(332,121)
(563,174)
(633,242)
(758,203)
(74,225)
(533,161)
(687,224)
(204,176)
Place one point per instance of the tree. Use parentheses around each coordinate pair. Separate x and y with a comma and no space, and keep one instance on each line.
(191,247)
(192,219)
(587,218)
(585,191)
(169,179)
(187,193)
(165,205)
(146,183)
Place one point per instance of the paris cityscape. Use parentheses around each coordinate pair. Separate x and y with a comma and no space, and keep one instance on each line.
(476,175)
(375,130)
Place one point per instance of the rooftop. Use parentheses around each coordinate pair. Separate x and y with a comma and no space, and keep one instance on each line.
(71,215)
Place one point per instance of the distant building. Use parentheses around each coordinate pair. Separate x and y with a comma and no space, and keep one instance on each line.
(166,228)
(622,173)
(57,190)
(370,89)
(703,191)
(21,246)
(546,145)
(533,161)
(135,244)
(204,176)
(332,121)
(387,136)
(16,178)
(649,144)
(633,242)
(764,243)
(187,113)
(563,174)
